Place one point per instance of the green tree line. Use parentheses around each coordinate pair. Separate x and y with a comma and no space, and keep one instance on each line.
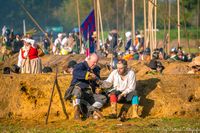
(64,13)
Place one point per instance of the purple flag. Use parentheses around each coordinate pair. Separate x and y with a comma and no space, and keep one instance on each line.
(87,28)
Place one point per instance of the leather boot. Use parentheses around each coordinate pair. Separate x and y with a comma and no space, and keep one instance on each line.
(113,110)
(123,112)
(77,112)
(97,115)
(135,111)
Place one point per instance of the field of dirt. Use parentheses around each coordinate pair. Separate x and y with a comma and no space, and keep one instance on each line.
(25,97)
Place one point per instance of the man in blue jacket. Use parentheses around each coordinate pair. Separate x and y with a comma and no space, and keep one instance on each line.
(83,84)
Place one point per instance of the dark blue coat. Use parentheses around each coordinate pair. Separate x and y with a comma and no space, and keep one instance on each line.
(79,74)
(128,44)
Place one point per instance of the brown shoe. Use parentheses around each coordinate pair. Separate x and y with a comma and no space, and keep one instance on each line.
(77,112)
(112,116)
(122,117)
(97,115)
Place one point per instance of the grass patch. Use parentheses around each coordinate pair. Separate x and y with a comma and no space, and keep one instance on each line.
(142,125)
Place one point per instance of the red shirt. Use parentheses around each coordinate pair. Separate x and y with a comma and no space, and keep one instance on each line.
(32,54)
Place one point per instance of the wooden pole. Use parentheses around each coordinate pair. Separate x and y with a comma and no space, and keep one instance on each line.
(125,1)
(144,4)
(150,25)
(169,26)
(101,24)
(185,28)
(96,21)
(155,24)
(178,15)
(24,27)
(98,26)
(198,17)
(34,21)
(147,33)
(165,32)
(79,24)
(117,14)
(30,16)
(117,6)
(133,22)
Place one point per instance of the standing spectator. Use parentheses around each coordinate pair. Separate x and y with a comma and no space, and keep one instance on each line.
(57,44)
(46,43)
(129,40)
(28,59)
(17,44)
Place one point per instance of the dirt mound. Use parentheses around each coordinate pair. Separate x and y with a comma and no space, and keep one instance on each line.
(27,96)
(171,94)
(176,67)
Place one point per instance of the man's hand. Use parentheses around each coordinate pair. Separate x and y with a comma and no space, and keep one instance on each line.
(99,82)
(98,91)
(92,76)
(120,97)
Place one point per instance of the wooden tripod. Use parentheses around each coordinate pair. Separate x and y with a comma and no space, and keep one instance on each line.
(60,96)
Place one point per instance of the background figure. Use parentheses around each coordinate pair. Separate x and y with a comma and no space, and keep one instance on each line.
(28,59)
(70,67)
(17,44)
(46,44)
(129,40)
(57,44)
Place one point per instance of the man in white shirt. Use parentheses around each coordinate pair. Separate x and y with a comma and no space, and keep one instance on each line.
(123,82)
(57,44)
